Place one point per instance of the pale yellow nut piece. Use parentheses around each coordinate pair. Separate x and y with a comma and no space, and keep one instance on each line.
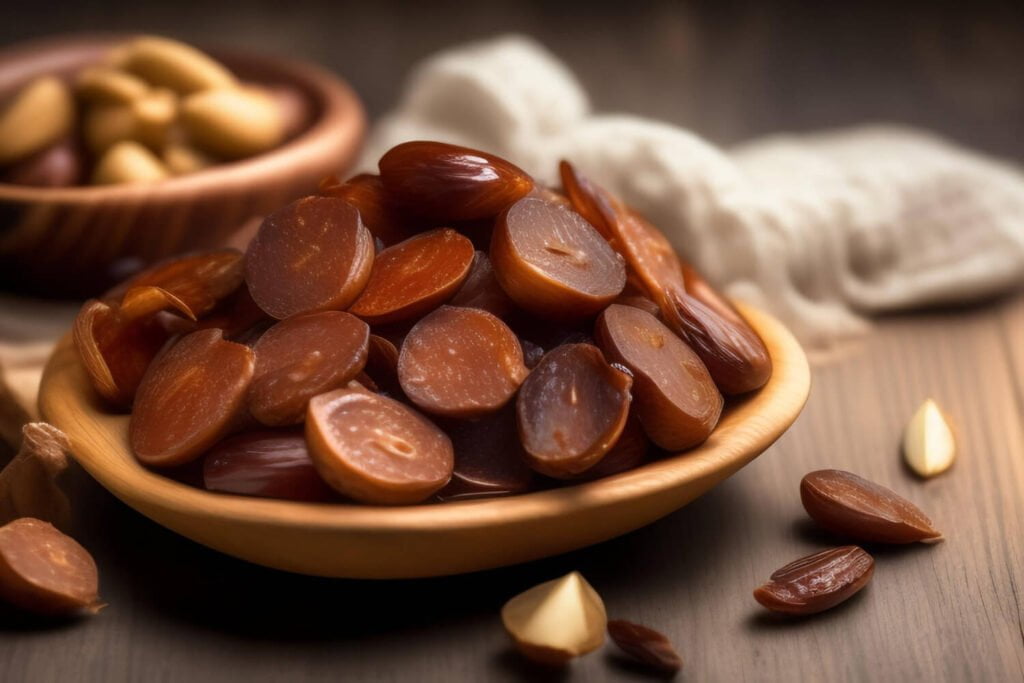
(175,65)
(182,159)
(39,115)
(929,445)
(154,115)
(104,125)
(128,162)
(109,86)
(557,620)
(233,123)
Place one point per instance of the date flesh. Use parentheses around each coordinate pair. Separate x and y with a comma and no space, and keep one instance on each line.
(645,645)
(489,458)
(366,193)
(376,450)
(482,290)
(269,464)
(817,582)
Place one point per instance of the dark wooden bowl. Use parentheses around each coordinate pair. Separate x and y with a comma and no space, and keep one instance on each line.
(74,241)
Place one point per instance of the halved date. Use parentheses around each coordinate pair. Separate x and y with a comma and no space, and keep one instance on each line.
(489,458)
(817,582)
(375,449)
(445,183)
(269,464)
(313,255)
(675,398)
(414,277)
(630,451)
(366,193)
(551,262)
(301,357)
(461,362)
(482,290)
(571,410)
(191,397)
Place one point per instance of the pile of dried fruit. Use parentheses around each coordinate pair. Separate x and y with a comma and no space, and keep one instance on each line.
(448,328)
(150,109)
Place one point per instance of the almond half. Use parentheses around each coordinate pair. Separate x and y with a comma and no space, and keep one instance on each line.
(929,445)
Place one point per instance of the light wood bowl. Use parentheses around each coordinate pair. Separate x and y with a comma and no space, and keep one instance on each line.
(358,541)
(65,241)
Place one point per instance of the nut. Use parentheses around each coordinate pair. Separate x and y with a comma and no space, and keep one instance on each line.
(40,114)
(233,122)
(174,65)
(128,162)
(852,506)
(109,86)
(817,582)
(929,445)
(557,620)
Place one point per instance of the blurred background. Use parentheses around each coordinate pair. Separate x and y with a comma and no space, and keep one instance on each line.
(728,70)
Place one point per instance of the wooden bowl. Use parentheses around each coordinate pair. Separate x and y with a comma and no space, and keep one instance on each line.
(67,241)
(358,541)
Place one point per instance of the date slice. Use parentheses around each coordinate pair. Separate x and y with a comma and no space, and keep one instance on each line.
(191,397)
(852,506)
(313,255)
(674,396)
(199,280)
(645,645)
(817,582)
(366,193)
(269,464)
(46,572)
(571,410)
(630,451)
(445,183)
(592,201)
(482,290)
(414,277)
(301,357)
(489,458)
(461,362)
(375,449)
(551,262)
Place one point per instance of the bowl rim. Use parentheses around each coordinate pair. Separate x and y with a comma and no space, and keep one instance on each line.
(333,98)
(749,426)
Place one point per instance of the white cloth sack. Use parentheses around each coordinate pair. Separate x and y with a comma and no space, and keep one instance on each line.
(820,229)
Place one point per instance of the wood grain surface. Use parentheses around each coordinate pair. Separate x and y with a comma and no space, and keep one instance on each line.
(952,612)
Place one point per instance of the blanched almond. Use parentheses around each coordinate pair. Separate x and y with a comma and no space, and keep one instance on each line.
(929,445)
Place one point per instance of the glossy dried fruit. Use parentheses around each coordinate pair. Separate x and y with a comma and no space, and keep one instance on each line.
(200,280)
(191,397)
(557,620)
(590,200)
(674,396)
(552,263)
(44,571)
(375,449)
(571,410)
(630,451)
(382,364)
(929,445)
(270,464)
(852,506)
(446,183)
(414,277)
(460,362)
(28,483)
(116,351)
(313,255)
(817,582)
(301,357)
(366,193)
(645,645)
(482,290)
(489,458)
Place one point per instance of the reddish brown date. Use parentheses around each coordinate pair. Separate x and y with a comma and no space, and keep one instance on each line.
(590,200)
(301,357)
(817,582)
(461,362)
(415,277)
(630,451)
(366,193)
(191,397)
(675,398)
(645,645)
(313,255)
(446,183)
(375,449)
(571,410)
(269,464)
(482,290)
(489,458)
(46,572)
(552,263)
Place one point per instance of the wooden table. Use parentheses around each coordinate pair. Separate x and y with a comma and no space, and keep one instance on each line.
(179,612)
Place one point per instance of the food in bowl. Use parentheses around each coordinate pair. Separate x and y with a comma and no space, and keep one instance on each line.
(446,329)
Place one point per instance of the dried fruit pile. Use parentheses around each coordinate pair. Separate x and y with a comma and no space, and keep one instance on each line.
(445,329)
